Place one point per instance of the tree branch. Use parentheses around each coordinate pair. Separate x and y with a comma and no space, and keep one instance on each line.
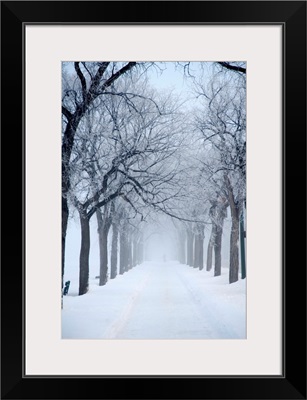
(82,79)
(103,203)
(98,76)
(115,76)
(67,113)
(232,67)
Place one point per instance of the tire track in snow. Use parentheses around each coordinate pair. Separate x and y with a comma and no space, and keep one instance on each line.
(119,324)
(213,319)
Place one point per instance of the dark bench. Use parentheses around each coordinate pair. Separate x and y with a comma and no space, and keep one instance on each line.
(66,288)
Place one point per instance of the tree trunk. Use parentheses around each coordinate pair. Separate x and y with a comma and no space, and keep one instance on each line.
(181,243)
(210,248)
(234,235)
(201,253)
(103,230)
(234,249)
(123,252)
(242,247)
(217,251)
(199,239)
(103,245)
(114,251)
(209,256)
(196,252)
(221,213)
(190,240)
(84,254)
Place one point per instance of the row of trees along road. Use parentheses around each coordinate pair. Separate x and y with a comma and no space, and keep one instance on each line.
(129,151)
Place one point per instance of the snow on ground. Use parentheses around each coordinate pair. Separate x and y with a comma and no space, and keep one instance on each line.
(158,300)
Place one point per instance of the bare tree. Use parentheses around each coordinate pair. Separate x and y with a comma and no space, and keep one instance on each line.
(122,149)
(222,122)
(86,83)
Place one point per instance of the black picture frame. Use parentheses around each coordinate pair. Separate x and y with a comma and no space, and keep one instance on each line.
(292,16)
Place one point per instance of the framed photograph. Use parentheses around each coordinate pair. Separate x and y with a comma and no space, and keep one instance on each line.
(163,187)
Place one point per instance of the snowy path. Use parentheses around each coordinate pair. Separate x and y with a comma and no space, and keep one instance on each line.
(167,308)
(158,301)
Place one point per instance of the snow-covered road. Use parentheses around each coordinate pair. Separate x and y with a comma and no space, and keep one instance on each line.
(158,301)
